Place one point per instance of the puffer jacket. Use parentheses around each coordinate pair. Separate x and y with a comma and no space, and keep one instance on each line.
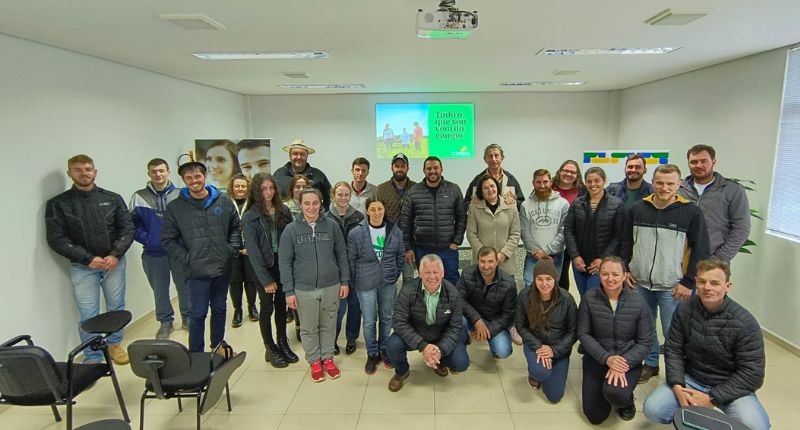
(722,349)
(727,212)
(604,333)
(148,207)
(561,323)
(311,258)
(409,317)
(258,241)
(204,235)
(367,272)
(347,222)
(494,302)
(620,191)
(82,225)
(433,218)
(594,235)
(663,246)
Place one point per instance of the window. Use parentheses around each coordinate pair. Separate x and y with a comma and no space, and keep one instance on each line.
(784,205)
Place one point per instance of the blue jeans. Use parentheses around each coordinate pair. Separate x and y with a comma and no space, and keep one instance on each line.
(87,284)
(377,304)
(207,292)
(449,261)
(397,351)
(554,381)
(158,271)
(530,263)
(585,281)
(349,306)
(663,303)
(661,404)
(499,344)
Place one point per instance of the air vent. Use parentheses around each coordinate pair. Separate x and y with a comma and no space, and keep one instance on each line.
(192,21)
(676,17)
(296,75)
(558,72)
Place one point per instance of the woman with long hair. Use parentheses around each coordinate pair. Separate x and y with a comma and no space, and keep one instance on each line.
(292,201)
(242,277)
(262,226)
(347,217)
(569,184)
(614,330)
(220,160)
(546,319)
(376,253)
(592,230)
(493,222)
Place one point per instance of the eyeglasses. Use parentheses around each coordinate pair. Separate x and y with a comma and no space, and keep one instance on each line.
(569,172)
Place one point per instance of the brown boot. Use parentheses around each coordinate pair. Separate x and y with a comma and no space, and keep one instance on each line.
(396,383)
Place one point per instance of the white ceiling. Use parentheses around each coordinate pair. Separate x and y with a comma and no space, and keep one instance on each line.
(373,42)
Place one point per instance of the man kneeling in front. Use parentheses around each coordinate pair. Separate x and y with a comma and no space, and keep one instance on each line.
(714,355)
(428,318)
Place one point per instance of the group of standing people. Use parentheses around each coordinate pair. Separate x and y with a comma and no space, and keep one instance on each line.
(326,252)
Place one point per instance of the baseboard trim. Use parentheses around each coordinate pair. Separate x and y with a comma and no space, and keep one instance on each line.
(783,343)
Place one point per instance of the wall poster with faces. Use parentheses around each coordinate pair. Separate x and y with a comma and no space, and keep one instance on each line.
(224,158)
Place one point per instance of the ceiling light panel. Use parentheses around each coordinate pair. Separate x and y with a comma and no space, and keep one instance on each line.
(310,55)
(542,83)
(192,21)
(676,17)
(607,51)
(322,86)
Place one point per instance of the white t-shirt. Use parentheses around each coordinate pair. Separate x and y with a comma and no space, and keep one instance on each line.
(378,236)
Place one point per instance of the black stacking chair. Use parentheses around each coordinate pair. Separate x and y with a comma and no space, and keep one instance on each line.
(171,371)
(30,377)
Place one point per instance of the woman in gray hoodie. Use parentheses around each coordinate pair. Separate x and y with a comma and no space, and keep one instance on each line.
(315,275)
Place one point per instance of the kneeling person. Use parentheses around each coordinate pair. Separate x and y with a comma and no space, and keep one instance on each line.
(489,296)
(427,317)
(714,354)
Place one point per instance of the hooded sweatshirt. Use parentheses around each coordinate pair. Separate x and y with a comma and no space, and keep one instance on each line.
(542,223)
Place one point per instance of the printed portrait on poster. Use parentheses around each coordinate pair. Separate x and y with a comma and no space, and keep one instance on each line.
(226,157)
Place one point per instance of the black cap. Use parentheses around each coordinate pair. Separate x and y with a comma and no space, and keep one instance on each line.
(191,165)
(399,156)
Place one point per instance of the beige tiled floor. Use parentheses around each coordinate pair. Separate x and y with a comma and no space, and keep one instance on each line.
(491,395)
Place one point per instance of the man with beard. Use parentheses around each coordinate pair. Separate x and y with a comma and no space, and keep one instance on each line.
(633,188)
(298,165)
(724,203)
(493,156)
(542,225)
(92,228)
(392,194)
(433,219)
(202,230)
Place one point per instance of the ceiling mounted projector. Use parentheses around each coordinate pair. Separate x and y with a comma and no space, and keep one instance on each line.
(446,22)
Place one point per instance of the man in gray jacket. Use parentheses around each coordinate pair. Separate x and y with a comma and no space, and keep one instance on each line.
(203,232)
(723,201)
(542,223)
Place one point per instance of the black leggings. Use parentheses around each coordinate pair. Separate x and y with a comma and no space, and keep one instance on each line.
(243,278)
(268,302)
(599,396)
(566,263)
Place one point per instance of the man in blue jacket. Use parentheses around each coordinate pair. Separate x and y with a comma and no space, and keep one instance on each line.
(202,231)
(148,207)
(92,228)
(633,188)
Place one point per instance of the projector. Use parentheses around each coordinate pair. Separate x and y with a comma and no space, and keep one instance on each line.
(447,22)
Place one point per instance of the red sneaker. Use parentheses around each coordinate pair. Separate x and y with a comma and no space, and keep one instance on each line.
(331,368)
(317,375)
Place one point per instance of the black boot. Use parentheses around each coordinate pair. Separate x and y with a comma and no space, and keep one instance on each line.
(275,356)
(283,343)
(252,313)
(237,318)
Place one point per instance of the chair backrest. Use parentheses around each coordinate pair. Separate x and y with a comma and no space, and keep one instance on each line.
(27,371)
(219,380)
(155,359)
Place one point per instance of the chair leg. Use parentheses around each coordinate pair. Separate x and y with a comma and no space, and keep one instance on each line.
(55,413)
(228,395)
(119,396)
(180,406)
(198,412)
(69,413)
(141,410)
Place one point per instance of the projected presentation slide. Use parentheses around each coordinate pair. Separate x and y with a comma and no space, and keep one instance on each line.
(446,130)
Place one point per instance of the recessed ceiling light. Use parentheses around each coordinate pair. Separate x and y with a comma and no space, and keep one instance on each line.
(676,17)
(321,86)
(311,55)
(296,75)
(607,51)
(541,83)
(192,21)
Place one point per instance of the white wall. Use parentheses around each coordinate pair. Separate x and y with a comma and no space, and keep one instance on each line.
(56,104)
(734,107)
(535,129)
